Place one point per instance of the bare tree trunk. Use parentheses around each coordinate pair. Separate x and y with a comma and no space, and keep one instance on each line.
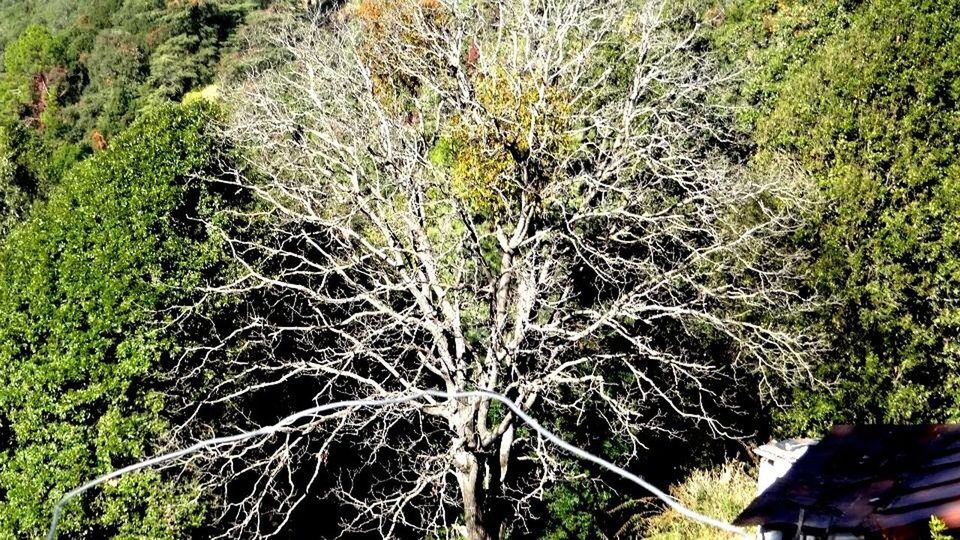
(476,520)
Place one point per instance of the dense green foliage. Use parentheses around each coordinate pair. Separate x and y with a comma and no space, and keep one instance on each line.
(106,250)
(86,280)
(865,96)
(94,249)
(76,73)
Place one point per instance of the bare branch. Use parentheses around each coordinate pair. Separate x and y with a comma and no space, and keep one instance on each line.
(290,421)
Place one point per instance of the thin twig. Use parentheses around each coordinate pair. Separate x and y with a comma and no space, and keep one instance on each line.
(313,411)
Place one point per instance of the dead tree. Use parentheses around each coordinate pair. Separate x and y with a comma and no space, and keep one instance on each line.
(510,196)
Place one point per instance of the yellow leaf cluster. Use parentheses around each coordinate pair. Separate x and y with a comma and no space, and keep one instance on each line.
(514,145)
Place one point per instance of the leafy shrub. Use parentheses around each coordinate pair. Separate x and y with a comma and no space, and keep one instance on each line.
(721,493)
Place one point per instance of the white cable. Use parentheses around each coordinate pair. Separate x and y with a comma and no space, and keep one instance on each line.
(269,430)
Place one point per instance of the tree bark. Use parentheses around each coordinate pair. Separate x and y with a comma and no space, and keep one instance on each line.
(471,488)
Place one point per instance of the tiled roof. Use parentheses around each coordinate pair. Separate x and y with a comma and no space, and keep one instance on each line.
(863,479)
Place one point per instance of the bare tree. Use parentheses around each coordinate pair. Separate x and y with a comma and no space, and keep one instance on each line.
(245,438)
(526,197)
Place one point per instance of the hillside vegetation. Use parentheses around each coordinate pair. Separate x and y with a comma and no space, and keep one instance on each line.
(664,228)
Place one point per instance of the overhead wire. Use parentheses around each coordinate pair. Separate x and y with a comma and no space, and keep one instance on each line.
(292,419)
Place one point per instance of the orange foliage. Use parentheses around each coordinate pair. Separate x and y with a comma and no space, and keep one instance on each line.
(472,55)
(40,86)
(154,37)
(391,25)
(370,10)
(374,10)
(98,141)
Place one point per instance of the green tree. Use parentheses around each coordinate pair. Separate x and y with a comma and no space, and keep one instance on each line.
(86,280)
(193,34)
(76,73)
(116,71)
(865,96)
(14,196)
(17,15)
(30,74)
(34,87)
